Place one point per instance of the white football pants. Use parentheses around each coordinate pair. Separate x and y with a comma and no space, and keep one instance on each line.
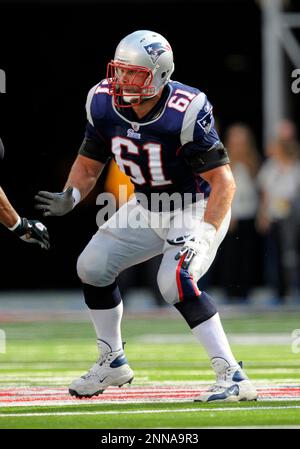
(134,234)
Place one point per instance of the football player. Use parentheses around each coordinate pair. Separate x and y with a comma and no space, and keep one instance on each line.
(31,231)
(161,133)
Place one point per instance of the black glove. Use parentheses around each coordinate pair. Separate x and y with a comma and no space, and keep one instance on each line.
(55,203)
(33,231)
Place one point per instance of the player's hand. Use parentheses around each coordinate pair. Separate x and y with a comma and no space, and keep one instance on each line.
(189,250)
(53,203)
(33,231)
(195,249)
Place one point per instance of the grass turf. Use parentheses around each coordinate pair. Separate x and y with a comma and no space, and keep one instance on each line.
(53,353)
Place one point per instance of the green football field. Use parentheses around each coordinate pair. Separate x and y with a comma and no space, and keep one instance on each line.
(42,358)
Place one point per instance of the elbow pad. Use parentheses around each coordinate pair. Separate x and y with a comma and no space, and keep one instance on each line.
(94,150)
(205,160)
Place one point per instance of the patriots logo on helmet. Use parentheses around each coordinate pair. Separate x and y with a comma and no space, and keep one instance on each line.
(154,50)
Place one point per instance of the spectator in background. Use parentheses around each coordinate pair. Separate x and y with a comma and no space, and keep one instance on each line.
(286,130)
(241,245)
(279,183)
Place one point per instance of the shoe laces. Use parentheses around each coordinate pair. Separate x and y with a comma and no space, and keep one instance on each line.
(226,376)
(224,379)
(104,360)
(219,385)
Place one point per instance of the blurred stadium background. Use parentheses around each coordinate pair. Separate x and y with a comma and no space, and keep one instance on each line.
(244,55)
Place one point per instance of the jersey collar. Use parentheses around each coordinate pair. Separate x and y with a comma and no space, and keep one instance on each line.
(129,115)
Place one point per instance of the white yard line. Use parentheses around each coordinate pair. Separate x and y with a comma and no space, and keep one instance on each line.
(120,402)
(263,426)
(234,338)
(141,412)
(152,394)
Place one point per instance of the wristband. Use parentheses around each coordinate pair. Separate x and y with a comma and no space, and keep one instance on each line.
(14,227)
(208,232)
(76,196)
(209,227)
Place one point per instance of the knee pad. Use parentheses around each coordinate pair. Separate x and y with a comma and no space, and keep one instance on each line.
(196,310)
(167,287)
(92,269)
(99,298)
(177,285)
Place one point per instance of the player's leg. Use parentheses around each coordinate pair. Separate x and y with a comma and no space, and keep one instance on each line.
(198,309)
(111,250)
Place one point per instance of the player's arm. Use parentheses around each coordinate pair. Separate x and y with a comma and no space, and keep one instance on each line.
(84,175)
(86,169)
(212,165)
(82,178)
(222,192)
(207,157)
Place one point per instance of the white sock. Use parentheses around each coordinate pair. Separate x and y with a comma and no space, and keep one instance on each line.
(211,335)
(107,324)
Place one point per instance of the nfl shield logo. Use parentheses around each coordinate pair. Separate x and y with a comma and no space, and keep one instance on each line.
(135,126)
(154,50)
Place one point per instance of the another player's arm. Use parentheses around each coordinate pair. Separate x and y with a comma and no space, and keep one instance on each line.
(8,215)
(31,231)
(222,192)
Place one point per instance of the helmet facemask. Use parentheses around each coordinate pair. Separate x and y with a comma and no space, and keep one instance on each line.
(132,83)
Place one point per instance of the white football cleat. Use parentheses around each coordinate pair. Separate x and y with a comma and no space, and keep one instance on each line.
(232,384)
(111,369)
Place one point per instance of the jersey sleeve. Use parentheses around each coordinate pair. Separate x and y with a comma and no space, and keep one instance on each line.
(94,145)
(199,125)
(201,145)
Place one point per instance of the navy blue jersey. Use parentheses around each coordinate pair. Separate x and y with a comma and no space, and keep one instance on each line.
(149,150)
